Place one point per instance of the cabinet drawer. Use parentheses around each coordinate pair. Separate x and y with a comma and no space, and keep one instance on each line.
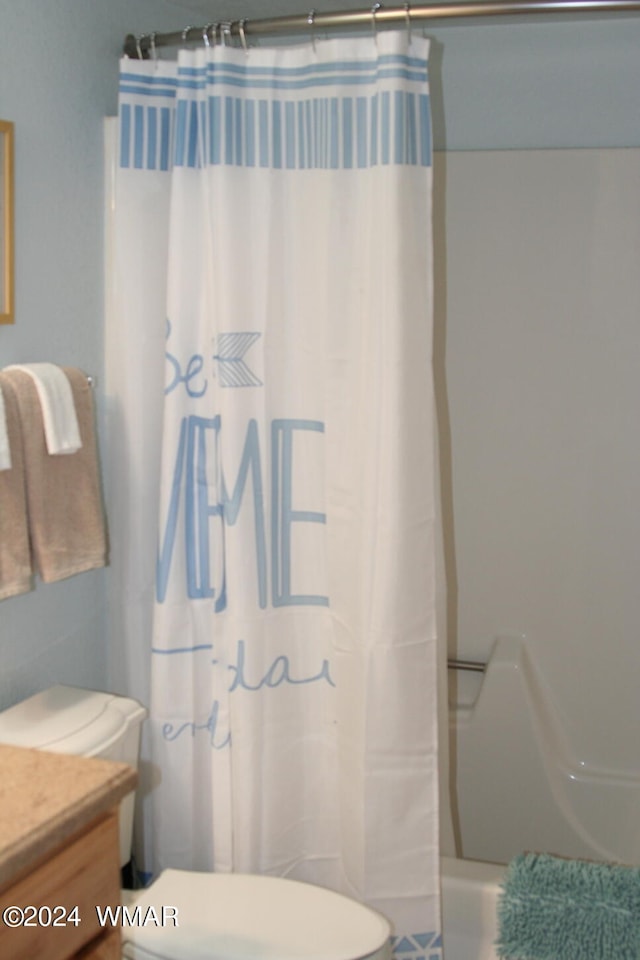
(85,874)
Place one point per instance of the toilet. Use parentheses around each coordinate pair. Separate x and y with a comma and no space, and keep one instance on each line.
(220,916)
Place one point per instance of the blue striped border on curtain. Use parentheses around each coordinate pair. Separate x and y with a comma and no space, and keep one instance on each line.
(161,127)
(320,133)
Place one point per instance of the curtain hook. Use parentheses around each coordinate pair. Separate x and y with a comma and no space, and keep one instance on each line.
(311,20)
(152,44)
(185,34)
(374,25)
(407,13)
(205,35)
(243,39)
(139,48)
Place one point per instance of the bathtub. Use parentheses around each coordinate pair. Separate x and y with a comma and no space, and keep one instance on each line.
(519,787)
(470,892)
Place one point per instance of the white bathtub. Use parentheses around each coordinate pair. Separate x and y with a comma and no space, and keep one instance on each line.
(519,787)
(470,892)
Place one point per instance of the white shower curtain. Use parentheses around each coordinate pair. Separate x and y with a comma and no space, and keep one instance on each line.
(272,479)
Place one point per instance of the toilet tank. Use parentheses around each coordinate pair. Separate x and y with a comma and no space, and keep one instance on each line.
(85,723)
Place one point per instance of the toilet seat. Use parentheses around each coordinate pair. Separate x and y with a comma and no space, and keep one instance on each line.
(247,917)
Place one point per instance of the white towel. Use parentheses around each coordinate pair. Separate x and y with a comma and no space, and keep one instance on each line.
(58,410)
(5,452)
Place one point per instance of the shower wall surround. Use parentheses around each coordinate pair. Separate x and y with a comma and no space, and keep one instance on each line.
(542,298)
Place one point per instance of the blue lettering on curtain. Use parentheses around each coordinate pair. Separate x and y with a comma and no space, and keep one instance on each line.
(200,512)
(250,460)
(200,486)
(279,673)
(283,515)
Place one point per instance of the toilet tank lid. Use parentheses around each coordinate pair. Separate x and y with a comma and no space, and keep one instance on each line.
(69,720)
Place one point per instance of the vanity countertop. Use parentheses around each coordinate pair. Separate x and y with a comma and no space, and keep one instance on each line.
(45,798)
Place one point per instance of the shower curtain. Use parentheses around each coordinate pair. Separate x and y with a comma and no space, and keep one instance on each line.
(272,478)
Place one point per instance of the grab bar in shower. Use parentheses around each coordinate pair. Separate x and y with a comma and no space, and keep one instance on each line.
(473,665)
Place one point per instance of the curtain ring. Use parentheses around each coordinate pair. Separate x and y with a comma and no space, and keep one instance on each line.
(407,13)
(205,35)
(185,33)
(152,44)
(139,48)
(311,20)
(374,25)
(243,39)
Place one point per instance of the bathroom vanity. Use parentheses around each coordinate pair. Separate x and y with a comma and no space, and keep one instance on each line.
(59,854)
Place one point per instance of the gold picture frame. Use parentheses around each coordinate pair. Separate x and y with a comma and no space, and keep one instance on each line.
(6,222)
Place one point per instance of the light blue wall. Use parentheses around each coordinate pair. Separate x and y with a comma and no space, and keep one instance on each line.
(58,79)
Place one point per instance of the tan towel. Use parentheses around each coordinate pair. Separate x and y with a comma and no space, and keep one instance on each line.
(15,556)
(66,519)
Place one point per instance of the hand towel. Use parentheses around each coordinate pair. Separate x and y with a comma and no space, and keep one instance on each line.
(66,519)
(15,555)
(5,450)
(58,410)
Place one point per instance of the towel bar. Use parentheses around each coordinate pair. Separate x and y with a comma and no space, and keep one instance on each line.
(473,665)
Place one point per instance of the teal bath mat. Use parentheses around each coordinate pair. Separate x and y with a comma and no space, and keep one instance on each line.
(557,909)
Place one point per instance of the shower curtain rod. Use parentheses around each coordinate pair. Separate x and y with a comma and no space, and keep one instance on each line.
(143,46)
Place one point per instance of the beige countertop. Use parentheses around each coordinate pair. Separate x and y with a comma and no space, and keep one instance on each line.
(45,798)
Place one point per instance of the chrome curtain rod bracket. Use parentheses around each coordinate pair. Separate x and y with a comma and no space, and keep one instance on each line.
(140,47)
